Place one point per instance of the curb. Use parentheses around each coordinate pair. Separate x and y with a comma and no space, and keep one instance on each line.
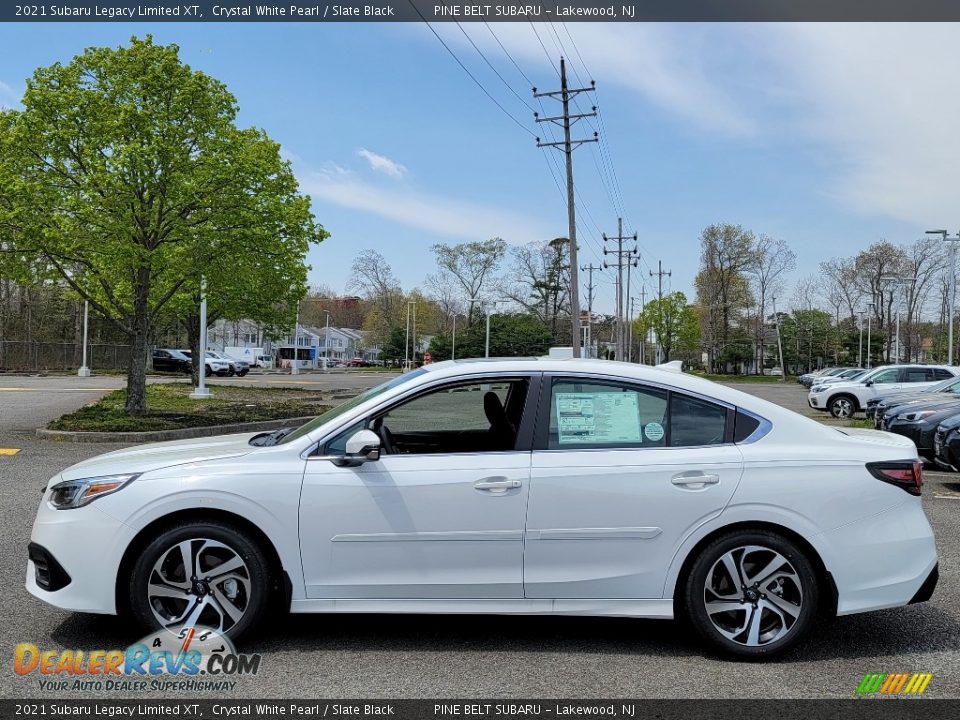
(161,435)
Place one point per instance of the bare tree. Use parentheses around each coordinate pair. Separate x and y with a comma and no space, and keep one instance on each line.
(539,281)
(881,260)
(471,265)
(843,279)
(371,275)
(772,260)
(722,288)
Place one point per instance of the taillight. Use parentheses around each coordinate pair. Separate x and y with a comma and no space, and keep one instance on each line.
(906,474)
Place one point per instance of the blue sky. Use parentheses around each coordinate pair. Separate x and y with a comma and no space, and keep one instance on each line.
(828,136)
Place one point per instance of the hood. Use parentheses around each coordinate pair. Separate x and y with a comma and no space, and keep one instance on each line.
(890,400)
(154,456)
(879,437)
(933,403)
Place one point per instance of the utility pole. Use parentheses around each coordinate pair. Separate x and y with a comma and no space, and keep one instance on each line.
(566,120)
(953,286)
(860,351)
(620,254)
(643,340)
(589,270)
(870,307)
(660,273)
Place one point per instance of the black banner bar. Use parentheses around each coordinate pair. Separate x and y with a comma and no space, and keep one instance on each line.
(419,10)
(458,709)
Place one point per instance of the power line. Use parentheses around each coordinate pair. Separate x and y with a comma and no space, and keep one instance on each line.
(470,74)
(496,72)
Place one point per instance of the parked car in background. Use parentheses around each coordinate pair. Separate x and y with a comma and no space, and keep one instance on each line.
(847,374)
(573,487)
(919,422)
(167,360)
(946,444)
(358,362)
(943,390)
(212,365)
(808,379)
(845,399)
(237,367)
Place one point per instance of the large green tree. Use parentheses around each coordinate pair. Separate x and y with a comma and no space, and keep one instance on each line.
(674,322)
(125,177)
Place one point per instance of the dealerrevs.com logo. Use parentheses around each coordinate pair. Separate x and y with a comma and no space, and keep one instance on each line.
(894,684)
(176,659)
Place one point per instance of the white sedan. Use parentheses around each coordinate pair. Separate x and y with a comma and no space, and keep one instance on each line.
(575,487)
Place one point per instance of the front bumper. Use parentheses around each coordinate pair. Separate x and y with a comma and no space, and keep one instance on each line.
(87,544)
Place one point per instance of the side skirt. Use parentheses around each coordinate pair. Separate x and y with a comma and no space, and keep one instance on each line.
(658,608)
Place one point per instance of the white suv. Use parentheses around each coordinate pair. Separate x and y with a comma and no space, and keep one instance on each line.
(844,399)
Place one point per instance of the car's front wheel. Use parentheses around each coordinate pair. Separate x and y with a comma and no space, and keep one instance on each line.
(752,594)
(207,574)
(842,406)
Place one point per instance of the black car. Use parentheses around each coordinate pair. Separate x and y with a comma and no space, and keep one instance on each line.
(946,444)
(877,406)
(165,360)
(919,422)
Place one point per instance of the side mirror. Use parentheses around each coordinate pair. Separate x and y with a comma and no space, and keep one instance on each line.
(868,383)
(362,447)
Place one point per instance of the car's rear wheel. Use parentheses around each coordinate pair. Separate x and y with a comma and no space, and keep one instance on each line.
(208,371)
(205,574)
(842,406)
(751,594)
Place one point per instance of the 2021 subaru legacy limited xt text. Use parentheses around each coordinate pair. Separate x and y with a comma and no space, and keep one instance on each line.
(513,486)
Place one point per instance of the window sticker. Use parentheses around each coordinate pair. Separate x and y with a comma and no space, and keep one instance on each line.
(653,431)
(601,417)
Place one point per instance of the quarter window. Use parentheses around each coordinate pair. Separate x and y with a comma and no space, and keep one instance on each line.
(696,422)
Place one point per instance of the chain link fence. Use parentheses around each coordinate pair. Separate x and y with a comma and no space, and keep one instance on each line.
(25,356)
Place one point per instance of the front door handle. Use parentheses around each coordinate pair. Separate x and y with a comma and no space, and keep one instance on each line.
(496,484)
(694,480)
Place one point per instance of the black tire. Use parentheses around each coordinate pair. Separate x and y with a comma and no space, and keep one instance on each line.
(777,630)
(254,602)
(223,373)
(207,371)
(843,406)
(242,373)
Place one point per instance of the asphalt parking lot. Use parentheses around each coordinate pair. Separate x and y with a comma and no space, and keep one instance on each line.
(484,656)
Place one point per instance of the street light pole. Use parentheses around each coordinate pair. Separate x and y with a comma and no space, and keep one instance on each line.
(84,371)
(487,350)
(453,344)
(776,322)
(953,287)
(860,351)
(202,392)
(326,344)
(869,319)
(295,370)
(406,342)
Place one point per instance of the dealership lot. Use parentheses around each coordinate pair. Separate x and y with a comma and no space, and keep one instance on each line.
(423,656)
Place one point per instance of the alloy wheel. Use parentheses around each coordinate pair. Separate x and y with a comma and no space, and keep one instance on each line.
(199,582)
(753,595)
(842,408)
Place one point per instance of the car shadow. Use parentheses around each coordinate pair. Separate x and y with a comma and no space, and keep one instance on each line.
(910,631)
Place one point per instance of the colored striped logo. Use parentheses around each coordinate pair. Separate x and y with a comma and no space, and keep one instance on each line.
(894,683)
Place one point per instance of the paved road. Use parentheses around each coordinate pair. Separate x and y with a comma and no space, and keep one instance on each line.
(418,656)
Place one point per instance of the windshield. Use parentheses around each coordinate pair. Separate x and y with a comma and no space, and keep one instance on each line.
(949,385)
(335,412)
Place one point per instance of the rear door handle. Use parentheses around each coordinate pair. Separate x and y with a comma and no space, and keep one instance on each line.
(694,480)
(496,484)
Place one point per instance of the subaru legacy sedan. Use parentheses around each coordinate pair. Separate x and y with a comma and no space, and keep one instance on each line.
(572,487)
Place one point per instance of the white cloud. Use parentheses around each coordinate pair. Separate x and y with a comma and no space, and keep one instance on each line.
(382,164)
(672,67)
(438,215)
(882,98)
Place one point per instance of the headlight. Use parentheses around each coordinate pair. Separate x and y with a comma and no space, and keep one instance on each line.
(77,493)
(817,388)
(918,416)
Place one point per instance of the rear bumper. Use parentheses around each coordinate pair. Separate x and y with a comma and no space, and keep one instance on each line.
(929,585)
(883,561)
